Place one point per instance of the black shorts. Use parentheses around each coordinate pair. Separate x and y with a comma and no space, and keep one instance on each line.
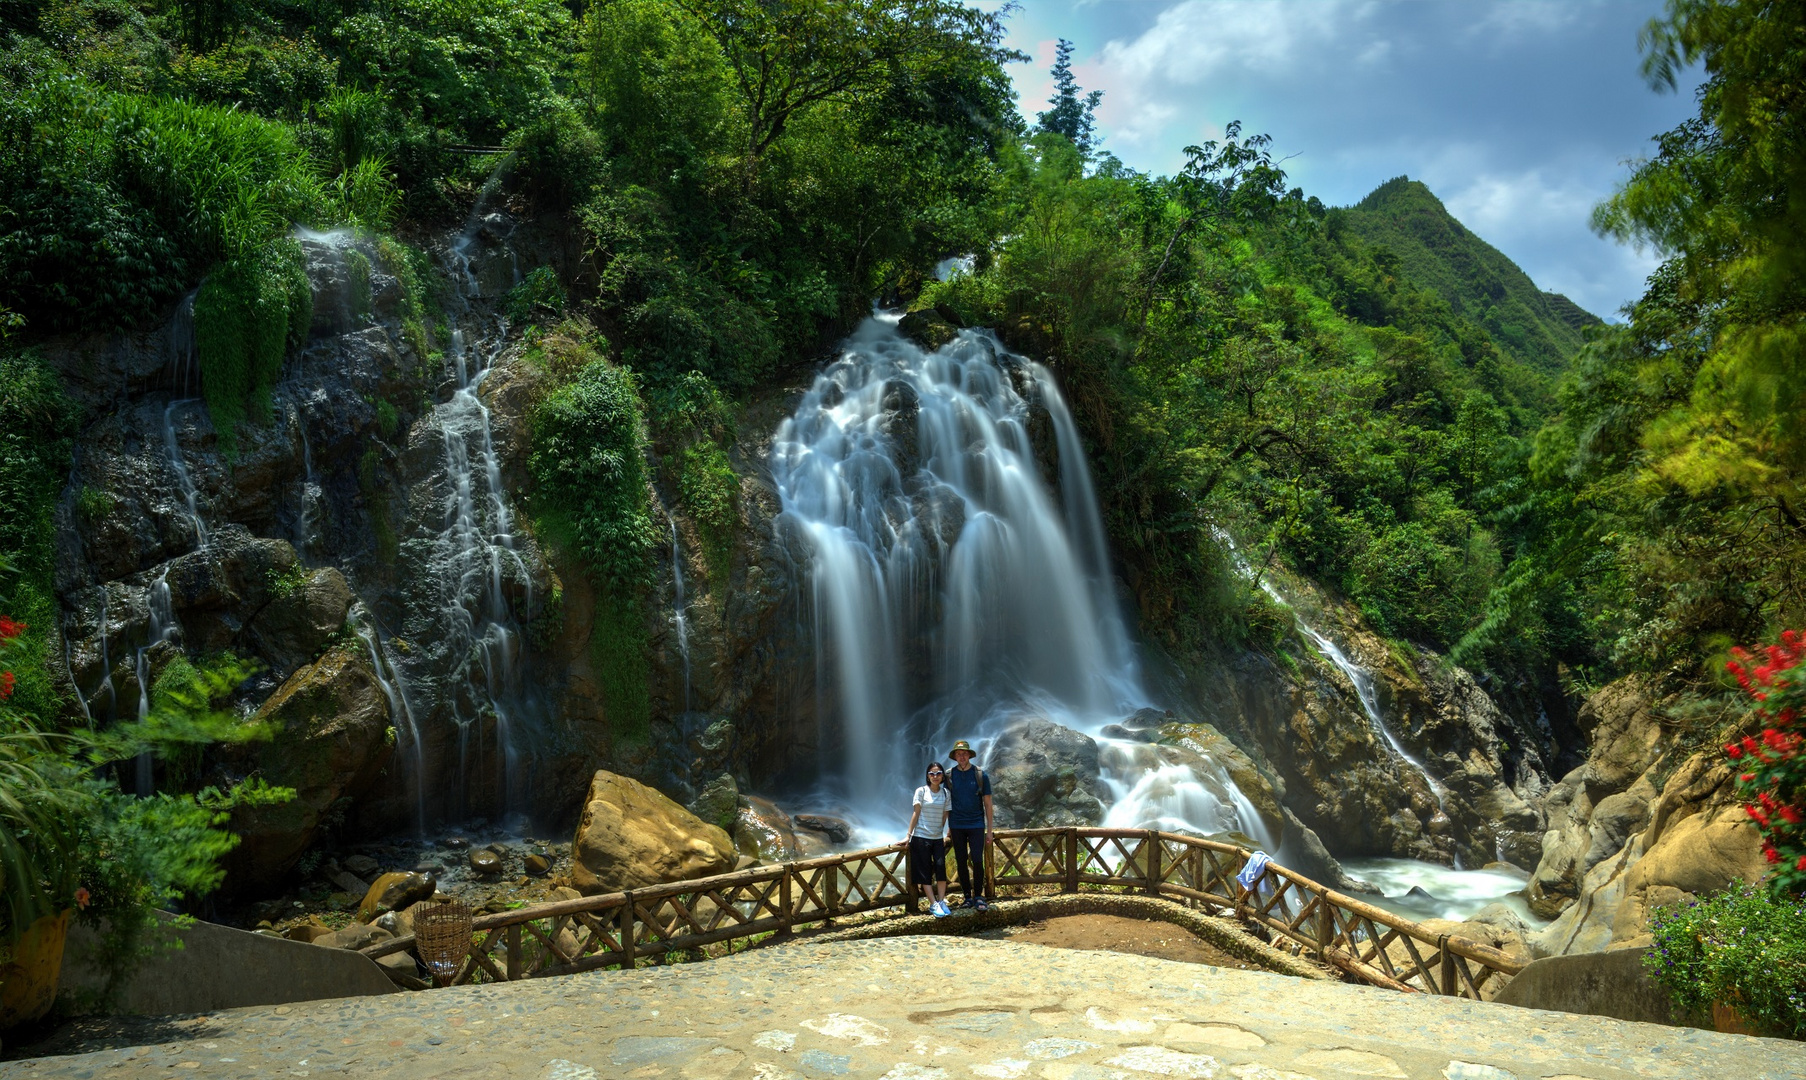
(927,860)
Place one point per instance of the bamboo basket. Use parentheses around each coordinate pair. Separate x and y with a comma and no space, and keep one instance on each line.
(442,938)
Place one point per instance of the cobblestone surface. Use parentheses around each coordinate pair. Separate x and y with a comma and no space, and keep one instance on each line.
(928,1009)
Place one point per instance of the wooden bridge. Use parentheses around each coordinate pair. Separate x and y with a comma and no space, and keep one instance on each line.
(649,925)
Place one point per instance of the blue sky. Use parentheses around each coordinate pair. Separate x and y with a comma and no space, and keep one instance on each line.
(1520,115)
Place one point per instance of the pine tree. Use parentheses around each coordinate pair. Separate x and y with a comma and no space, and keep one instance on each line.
(1072,115)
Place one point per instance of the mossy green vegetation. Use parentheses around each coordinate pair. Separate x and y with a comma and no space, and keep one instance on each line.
(592,499)
(248,313)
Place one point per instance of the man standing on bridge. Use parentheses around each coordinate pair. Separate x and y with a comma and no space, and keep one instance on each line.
(970,823)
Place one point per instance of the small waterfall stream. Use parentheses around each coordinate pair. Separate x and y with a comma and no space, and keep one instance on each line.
(952,593)
(680,616)
(179,465)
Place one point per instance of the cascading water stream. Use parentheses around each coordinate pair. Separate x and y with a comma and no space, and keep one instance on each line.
(680,616)
(952,594)
(400,708)
(465,638)
(179,466)
(163,628)
(312,494)
(1358,677)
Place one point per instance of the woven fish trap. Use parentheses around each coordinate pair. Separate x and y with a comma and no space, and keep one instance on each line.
(442,938)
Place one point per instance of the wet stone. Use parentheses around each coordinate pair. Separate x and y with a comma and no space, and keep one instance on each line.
(485,861)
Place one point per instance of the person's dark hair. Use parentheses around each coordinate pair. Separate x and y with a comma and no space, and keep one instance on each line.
(933,765)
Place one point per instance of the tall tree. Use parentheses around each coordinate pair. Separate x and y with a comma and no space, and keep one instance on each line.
(789,55)
(1072,115)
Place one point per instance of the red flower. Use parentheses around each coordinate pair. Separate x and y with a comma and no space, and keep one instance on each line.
(81,897)
(1732,750)
(1801,865)
(10,629)
(1771,854)
(1791,814)
(6,685)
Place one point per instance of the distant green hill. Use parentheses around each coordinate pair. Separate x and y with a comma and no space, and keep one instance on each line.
(1542,329)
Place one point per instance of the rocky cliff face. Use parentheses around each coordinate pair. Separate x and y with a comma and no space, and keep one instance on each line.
(430,660)
(1646,821)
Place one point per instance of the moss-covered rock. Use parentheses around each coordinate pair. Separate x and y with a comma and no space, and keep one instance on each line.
(332,744)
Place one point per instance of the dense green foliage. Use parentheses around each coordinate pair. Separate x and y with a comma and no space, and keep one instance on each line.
(589,463)
(1437,252)
(71,839)
(246,315)
(1659,520)
(1745,948)
(37,424)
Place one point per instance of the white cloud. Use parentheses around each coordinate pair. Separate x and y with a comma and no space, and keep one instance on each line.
(1199,42)
(1539,218)
(1527,18)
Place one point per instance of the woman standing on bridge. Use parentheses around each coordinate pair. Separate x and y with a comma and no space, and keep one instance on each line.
(927,840)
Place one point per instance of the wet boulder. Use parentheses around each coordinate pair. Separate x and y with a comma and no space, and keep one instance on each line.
(764,832)
(306,613)
(1044,774)
(837,830)
(395,891)
(928,328)
(631,836)
(718,803)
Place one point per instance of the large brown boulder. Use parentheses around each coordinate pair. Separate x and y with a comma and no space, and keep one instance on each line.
(332,742)
(631,836)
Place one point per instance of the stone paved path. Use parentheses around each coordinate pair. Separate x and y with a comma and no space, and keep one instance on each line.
(930,1009)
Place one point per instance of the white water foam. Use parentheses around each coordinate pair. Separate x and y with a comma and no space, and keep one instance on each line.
(952,593)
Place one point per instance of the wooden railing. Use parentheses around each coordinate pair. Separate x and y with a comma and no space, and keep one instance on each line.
(626,928)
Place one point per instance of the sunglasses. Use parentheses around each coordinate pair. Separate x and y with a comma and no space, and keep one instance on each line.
(936,772)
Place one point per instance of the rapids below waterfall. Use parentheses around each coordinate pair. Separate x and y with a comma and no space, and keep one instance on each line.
(957,584)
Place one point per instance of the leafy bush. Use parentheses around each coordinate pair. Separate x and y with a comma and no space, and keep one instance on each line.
(1772,776)
(69,838)
(538,296)
(37,423)
(122,201)
(1744,947)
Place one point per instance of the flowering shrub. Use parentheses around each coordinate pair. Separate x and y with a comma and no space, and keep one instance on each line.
(1773,777)
(1744,947)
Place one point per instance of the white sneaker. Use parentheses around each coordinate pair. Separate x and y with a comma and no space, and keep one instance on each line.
(939,910)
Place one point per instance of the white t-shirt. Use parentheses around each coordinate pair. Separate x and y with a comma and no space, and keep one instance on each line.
(932,823)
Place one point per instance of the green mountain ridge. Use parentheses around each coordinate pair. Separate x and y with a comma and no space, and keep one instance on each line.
(1543,329)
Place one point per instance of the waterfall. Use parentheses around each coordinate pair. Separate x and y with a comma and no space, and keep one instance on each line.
(951,592)
(312,494)
(401,710)
(179,466)
(163,628)
(679,615)
(1358,677)
(464,638)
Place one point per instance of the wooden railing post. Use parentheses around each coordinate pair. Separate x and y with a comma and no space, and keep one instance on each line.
(1326,926)
(1449,985)
(1071,884)
(514,952)
(910,906)
(626,929)
(1153,862)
